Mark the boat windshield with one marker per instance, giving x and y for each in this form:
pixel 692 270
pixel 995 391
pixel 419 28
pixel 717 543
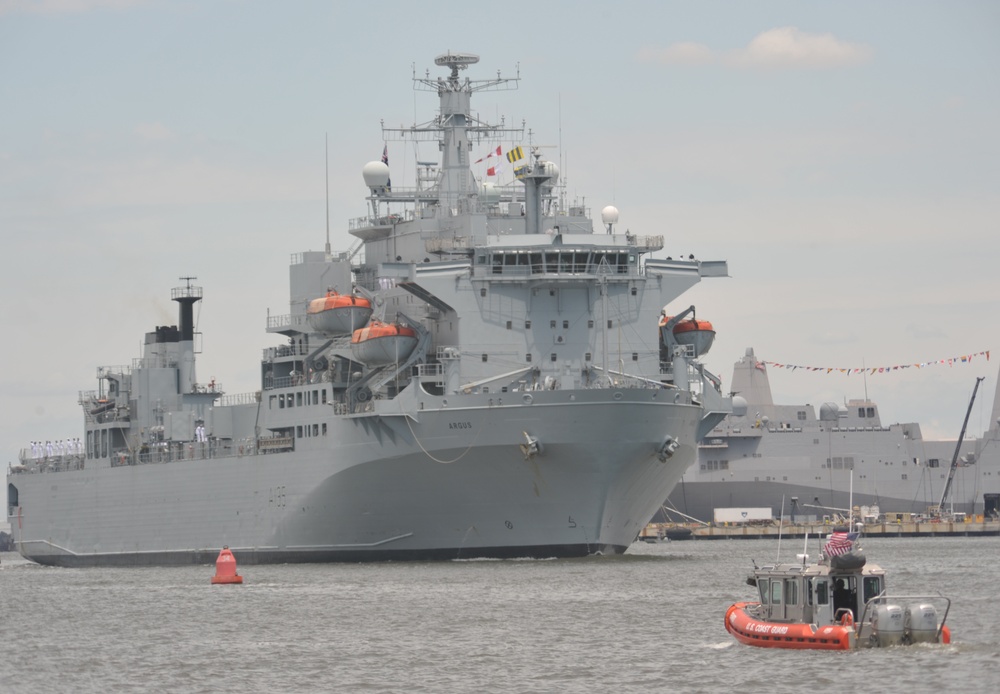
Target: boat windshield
pixel 872 587
pixel 822 592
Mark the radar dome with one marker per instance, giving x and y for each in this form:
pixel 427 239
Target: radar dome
pixel 609 215
pixel 550 169
pixel 489 194
pixel 828 412
pixel 739 406
pixel 376 174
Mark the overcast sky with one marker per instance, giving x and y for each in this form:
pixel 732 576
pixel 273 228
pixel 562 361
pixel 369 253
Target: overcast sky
pixel 842 156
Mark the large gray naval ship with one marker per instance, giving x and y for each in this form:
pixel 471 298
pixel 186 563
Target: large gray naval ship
pixel 483 375
pixel 785 455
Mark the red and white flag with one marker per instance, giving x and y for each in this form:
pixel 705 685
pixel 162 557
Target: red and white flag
pixel 490 155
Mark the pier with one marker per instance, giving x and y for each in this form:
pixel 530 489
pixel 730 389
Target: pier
pixel 976 527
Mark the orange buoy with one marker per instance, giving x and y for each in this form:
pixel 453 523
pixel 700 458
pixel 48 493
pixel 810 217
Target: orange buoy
pixel 225 568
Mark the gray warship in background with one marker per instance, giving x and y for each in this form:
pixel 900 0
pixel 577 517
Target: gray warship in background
pixel 482 375
pixel 785 455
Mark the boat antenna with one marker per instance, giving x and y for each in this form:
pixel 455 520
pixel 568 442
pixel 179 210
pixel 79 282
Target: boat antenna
pixel 781 518
pixel 850 498
pixel 326 143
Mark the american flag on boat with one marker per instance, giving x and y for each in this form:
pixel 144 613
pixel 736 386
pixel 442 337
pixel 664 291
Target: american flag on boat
pixel 839 543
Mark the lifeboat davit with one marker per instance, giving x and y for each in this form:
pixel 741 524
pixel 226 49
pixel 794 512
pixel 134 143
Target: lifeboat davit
pixel 381 343
pixel 698 333
pixel 338 314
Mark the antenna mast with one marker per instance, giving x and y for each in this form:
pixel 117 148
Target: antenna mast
pixel 326 152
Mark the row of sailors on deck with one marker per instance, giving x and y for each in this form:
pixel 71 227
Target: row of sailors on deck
pixel 51 449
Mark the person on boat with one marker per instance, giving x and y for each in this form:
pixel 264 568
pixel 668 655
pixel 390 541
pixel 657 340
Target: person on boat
pixel 844 597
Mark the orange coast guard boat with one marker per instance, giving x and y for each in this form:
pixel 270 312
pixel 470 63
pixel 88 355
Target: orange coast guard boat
pixel 338 314
pixel 838 603
pixel 381 343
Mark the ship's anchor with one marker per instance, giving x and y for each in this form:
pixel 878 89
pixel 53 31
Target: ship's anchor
pixel 667 448
pixel 532 446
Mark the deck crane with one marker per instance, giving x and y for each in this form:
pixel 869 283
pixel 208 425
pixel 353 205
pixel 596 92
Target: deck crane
pixel 958 447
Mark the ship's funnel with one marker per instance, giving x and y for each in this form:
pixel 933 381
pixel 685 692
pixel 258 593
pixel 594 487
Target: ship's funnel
pixel 187 297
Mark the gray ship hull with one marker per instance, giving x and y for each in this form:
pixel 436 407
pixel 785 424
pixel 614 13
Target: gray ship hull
pixel 430 493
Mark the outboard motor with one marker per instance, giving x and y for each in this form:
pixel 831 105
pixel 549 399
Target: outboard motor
pixel 887 625
pixel 920 623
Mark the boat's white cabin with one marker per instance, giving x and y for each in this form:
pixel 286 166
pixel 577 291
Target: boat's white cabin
pixel 815 593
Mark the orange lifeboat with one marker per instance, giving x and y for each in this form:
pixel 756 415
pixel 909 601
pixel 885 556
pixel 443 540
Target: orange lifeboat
pixel 381 343
pixel 698 333
pixel 338 314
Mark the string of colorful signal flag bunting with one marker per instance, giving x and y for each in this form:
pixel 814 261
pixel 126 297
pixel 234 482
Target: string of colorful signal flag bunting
pixel 951 361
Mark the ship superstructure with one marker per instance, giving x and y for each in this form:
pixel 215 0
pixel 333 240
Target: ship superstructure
pixel 821 463
pixel 482 375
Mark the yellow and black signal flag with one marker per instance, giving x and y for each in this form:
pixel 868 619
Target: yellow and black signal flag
pixel 515 154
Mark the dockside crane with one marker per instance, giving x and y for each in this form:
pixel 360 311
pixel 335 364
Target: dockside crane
pixel 958 447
